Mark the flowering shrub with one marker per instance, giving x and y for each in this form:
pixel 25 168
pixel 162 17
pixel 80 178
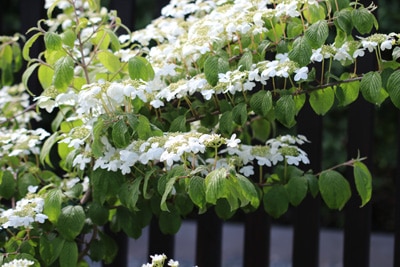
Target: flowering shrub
pixel 175 118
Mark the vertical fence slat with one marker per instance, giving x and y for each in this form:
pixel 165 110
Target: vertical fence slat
pixel 209 240
pixel 160 243
pixel 121 259
pixel 396 260
pixel 357 226
pixel 257 236
pixel 307 222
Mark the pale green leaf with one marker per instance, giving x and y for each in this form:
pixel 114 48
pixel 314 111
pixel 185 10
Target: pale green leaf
pixel 363 181
pixel 46 148
pixel 314 13
pixel 247 189
pixel 52 41
pixel 45 75
pixel 347 93
pixel 109 60
pixel 129 193
pixel 120 135
pixel 28 45
pixel 140 68
pixel 312 184
pixel 63 73
pixel 322 100
pixel 216 187
pixel 246 61
pixel 393 88
pixel 169 186
pixel 334 188
pixel 52 205
pixel 27 73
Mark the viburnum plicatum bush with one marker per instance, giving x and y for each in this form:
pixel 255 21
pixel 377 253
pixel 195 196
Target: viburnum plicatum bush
pixel 175 118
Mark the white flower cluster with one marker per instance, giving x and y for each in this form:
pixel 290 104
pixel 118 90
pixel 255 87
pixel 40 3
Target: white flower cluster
pixel 27 211
pixel 21 142
pixel 190 148
pixel 14 102
pixel 158 260
pixel 18 263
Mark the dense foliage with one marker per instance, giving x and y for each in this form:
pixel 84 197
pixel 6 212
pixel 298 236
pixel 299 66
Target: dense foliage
pixel 175 118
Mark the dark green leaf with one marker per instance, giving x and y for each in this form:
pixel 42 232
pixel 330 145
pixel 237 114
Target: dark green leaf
pixel 69 254
pixel 297 188
pixel 261 102
pixel 7 184
pixel 285 111
pixel 63 73
pixel 393 88
pixel 50 247
pixel 239 114
pixel 301 51
pixel 169 222
pixel 276 200
pixel 317 33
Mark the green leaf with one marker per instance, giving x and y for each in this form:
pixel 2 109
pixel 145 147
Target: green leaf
pixel 63 73
pixel 371 87
pixel 129 193
pixel 129 222
pixel 69 254
pixel 294 28
pixel 297 188
pixel 169 186
pixel 261 129
pixel 239 114
pixel 140 68
pixel 247 189
pixel 314 13
pixel 197 191
pixel 347 93
pixel 334 188
pixel 285 111
pixel 363 20
pixel 68 38
pixel 178 124
pixel 27 73
pixel 52 41
pixel 120 134
pixel 169 222
pixel 50 247
pixel 246 61
pixel 312 184
pixel 97 213
pixel 223 209
pixel 97 250
pixel 109 60
pixel 317 33
pixel 276 200
pixel 111 247
pixel 393 88
pixel 45 75
pixel 46 149
pixel 213 66
pixel 261 102
pixel 70 222
pixel 52 205
pixel 7 184
pixel 216 186
pixel 226 125
pixel 322 100
pixel 143 128
pixel 363 181
pixel 343 21
pixel 301 51
pixel 28 45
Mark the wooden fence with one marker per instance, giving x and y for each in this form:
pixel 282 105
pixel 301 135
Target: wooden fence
pixel 306 223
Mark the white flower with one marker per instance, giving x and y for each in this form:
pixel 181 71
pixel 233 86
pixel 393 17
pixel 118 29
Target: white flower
pixel 247 171
pixel 156 103
pixel 233 141
pixel 316 55
pixel 173 263
pixel 386 45
pixel 18 263
pixel 370 45
pixel 207 94
pixel 358 53
pixel 81 160
pixel 301 74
